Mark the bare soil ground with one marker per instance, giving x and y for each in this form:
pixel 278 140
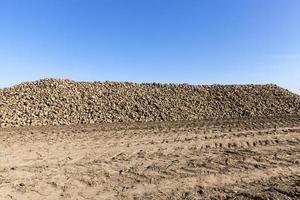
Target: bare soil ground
pixel 226 159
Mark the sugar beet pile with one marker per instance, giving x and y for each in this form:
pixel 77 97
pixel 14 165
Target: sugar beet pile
pixel 58 101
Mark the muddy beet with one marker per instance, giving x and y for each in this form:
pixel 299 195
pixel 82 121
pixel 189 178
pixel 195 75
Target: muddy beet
pixel 63 102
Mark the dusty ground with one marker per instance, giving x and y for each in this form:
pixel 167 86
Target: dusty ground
pixel 234 159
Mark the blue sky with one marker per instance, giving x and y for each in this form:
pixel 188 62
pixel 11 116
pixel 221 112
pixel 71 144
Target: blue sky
pixel 182 41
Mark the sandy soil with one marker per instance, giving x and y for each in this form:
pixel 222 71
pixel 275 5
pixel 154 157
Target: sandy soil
pixel 233 159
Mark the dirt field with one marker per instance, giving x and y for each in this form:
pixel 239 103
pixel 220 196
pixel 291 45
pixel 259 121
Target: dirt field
pixel 234 159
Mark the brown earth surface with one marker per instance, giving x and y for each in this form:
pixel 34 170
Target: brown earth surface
pixel 251 158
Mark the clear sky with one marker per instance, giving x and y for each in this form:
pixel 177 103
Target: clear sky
pixel 182 41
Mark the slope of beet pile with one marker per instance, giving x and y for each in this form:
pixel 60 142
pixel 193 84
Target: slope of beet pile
pixel 58 101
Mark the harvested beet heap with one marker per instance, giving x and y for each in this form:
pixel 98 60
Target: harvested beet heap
pixel 58 101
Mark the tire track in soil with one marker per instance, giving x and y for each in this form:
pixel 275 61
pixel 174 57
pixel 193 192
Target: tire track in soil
pixel 226 159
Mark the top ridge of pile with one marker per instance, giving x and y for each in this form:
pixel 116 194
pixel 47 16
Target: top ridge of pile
pixel 59 101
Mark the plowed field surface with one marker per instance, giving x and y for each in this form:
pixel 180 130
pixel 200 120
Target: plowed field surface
pixel 226 159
